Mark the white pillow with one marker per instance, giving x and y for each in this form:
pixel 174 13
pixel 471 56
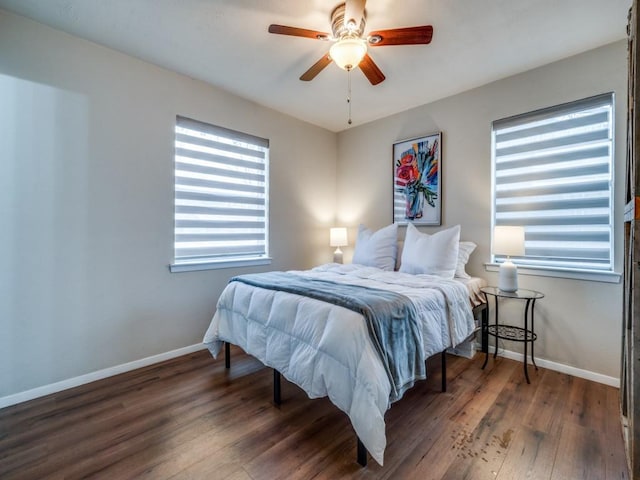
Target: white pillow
pixel 464 252
pixel 377 249
pixel 465 249
pixel 435 254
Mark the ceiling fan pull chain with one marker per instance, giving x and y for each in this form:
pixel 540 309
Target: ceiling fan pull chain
pixel 349 94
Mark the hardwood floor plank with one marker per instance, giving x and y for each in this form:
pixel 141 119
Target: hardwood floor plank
pixel 190 418
pixel 615 460
pixel 482 453
pixel 308 445
pixel 548 404
pixel 586 404
pixel 214 435
pixel 531 455
pixel 432 457
pixel 472 404
pixel 208 470
pixel 581 454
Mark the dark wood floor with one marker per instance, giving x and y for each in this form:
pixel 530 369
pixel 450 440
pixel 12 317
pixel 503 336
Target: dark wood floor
pixel 188 418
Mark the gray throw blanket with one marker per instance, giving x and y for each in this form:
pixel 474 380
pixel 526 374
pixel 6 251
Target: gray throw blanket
pixel 391 320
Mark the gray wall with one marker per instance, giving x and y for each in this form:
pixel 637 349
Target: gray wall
pixel 86 201
pixel 579 322
pixel 86 204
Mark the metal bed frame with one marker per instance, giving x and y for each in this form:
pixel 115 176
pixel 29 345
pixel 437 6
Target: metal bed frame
pixel 480 313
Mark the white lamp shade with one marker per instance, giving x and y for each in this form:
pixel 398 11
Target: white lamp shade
pixel 347 53
pixel 508 240
pixel 338 237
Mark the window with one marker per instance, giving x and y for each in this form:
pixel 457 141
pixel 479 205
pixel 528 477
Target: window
pixel 553 174
pixel 221 197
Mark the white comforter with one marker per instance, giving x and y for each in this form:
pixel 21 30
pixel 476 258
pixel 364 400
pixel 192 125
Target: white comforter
pixel 326 349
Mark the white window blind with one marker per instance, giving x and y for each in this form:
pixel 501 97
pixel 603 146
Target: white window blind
pixel 221 194
pixel 553 174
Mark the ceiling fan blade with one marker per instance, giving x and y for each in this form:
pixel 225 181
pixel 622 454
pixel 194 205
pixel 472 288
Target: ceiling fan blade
pixel 401 36
pixel 371 70
pixel 353 12
pixel 298 32
pixel 316 68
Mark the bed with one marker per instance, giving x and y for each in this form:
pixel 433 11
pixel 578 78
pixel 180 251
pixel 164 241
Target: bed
pixel 327 348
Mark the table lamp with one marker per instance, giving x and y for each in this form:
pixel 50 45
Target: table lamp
pixel 508 240
pixel 338 238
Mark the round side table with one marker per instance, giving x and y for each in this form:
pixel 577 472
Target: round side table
pixel 525 334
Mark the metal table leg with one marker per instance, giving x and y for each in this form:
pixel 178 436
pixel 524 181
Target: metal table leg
pixel 533 360
pixel 495 351
pixel 485 332
pixel 526 340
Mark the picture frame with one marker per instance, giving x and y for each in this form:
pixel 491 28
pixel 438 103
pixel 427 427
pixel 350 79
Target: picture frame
pixel 417 180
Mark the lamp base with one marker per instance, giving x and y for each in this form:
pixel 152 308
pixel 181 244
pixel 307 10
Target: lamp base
pixel 337 256
pixel 508 277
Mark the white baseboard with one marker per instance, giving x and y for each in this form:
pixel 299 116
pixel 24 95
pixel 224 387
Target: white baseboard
pixel 559 367
pixel 143 362
pixel 93 376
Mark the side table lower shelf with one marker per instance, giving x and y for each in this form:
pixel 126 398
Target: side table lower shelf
pixel 511 332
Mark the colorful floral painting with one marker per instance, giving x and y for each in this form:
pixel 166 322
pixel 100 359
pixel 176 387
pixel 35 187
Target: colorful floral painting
pixel 416 180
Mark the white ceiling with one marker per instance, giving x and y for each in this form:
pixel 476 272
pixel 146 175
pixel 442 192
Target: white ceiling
pixel 226 43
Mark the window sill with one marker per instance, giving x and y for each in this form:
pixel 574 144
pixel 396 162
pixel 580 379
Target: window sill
pixel 215 265
pixel 591 275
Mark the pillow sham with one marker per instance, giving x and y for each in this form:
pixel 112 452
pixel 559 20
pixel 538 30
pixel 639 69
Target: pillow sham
pixel 435 254
pixel 465 249
pixel 377 249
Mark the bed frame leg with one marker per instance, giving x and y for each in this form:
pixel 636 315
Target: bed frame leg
pixel 362 453
pixel 443 356
pixel 276 387
pixel 227 355
pixel 484 342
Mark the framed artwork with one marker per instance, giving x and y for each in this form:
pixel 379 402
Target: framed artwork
pixel 417 180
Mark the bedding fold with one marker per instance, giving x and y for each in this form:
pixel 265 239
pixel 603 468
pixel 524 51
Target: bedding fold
pixel 392 320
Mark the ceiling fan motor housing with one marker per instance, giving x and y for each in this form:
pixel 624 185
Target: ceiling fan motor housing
pixel 340 29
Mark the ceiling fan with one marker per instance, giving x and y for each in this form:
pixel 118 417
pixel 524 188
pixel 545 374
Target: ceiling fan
pixel 350 48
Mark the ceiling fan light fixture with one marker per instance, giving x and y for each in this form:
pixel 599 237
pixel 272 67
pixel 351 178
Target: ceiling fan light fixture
pixel 348 52
pixel 349 49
